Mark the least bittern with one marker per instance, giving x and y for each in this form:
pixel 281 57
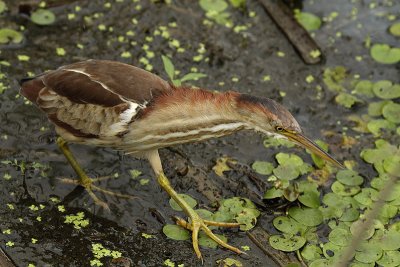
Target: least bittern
pixel 111 104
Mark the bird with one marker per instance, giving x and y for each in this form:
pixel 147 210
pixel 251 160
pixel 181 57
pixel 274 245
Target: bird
pixel 112 104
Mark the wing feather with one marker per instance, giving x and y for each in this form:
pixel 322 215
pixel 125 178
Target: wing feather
pixel 95 97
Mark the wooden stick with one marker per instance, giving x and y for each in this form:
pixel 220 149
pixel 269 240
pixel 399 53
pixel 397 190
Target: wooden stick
pixel 297 35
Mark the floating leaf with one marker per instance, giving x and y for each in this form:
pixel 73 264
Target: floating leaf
pixel 176 232
pixel 334 78
pixel 276 142
pixel 43 17
pixel 288 225
pixel 309 21
pixel 207 242
pixel 273 193
pixel 344 190
pixel 331 250
pixel 213 5
pixel 386 89
pixel 228 262
pixel 286 172
pixel 321 263
pixel 340 237
pixel 310 198
pixel 376 126
pixel 375 108
pixel 350 215
pixel 385 54
pixel 222 165
pixel 205 214
pixel 287 244
pixel 318 161
pixel 311 252
pixel 188 199
pixel 390 240
pixel 391 112
pixel 3 7
pixel 306 216
pixel 392 165
pixel 369 253
pixel 367 234
pixel 263 167
pixel 390 258
pixel 364 87
pixel 395 29
pixel 346 100
pixel 10 36
pixel 349 177
pixel 367 196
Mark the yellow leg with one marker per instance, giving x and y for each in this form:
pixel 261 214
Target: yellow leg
pixel 196 222
pixel 83 179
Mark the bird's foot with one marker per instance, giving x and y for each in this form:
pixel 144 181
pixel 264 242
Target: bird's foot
pixel 197 223
pixel 87 183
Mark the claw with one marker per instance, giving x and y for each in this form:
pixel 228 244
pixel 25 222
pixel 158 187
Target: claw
pixel 198 224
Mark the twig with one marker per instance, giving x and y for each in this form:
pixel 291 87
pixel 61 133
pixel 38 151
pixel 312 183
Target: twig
pixel 369 219
pixel 5 260
pixel 297 35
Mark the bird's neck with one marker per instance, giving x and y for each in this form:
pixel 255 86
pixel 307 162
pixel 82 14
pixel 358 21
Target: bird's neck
pixel 185 115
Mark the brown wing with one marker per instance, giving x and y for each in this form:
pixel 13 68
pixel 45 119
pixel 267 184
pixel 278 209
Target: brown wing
pixel 89 97
pixel 99 82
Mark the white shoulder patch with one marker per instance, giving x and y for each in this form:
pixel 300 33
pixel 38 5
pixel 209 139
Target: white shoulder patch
pixel 124 119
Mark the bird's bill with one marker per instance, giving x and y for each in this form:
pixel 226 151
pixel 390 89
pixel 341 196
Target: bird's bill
pixel 303 141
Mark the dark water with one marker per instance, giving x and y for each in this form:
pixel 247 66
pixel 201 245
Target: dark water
pixel 26 135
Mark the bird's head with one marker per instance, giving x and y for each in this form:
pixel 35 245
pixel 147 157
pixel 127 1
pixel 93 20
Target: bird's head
pixel 269 117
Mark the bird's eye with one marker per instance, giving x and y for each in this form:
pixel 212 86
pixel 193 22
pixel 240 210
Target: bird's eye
pixel 279 128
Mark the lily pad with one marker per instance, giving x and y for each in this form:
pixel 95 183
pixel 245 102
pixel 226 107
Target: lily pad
pixel 263 167
pixel 176 232
pixel 385 54
pixel 390 258
pixel 392 165
pixel 386 89
pixel 207 242
pixel 391 112
pixel 311 252
pixel 369 253
pixel 273 193
pixel 344 190
pixel 286 172
pixel 43 17
pixel 331 250
pixel 3 6
pixel 350 215
pixel 189 200
pixel 310 198
pixel 346 100
pixel 213 5
pixel 375 108
pixel 391 240
pixel 288 225
pixel 287 243
pixel 395 29
pixel 364 87
pixel 376 126
pixel 10 36
pixel 321 263
pixel 306 216
pixel 340 237
pixel 365 234
pixel 349 177
pixel 367 196
pixel 309 21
